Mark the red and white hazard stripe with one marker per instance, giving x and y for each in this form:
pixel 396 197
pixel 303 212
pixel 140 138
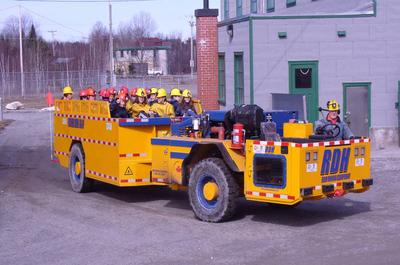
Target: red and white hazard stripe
pixel 305 145
pixel 93 141
pixel 159 180
pixel 271 143
pixel 93 118
pixel 134 180
pixel 88 171
pixel 336 184
pixel 134 120
pixel 61 153
pixel 270 195
pixel 133 155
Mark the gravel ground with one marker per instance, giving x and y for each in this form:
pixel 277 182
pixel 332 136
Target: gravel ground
pixel 43 222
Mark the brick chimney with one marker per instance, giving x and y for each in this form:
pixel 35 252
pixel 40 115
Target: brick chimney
pixel 207 56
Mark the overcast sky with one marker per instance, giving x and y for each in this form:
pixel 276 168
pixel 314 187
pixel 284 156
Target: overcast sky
pixel 73 21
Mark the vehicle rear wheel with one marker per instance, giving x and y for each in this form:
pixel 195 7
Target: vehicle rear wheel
pixel 77 176
pixel 212 191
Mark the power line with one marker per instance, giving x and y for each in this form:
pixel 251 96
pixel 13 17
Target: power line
pixel 55 22
pixel 4 9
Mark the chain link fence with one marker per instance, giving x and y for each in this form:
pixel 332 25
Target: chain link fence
pixel 40 83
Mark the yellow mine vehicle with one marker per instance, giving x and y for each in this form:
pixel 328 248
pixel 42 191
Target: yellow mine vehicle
pixel 215 162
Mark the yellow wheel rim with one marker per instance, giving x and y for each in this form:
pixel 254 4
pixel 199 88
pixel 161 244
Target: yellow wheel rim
pixel 210 191
pixel 78 168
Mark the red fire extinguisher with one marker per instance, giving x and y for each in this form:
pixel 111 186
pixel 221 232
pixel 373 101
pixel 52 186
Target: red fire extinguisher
pixel 238 134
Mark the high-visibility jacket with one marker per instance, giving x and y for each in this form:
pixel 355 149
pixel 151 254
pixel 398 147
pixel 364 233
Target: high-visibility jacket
pixel 129 105
pixel 163 110
pixel 341 130
pixel 136 108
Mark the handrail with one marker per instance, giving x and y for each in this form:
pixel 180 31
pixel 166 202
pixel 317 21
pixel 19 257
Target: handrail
pixel 83 107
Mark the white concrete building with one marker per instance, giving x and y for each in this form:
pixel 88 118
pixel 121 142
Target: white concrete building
pixel 347 50
pixel 150 56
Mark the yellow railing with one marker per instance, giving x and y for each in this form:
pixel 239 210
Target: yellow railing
pixel 83 107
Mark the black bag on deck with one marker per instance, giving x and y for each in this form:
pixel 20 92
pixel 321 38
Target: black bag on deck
pixel 250 116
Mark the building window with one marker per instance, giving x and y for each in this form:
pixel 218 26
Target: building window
pixel 239 78
pixel 221 79
pixel 226 9
pixel 253 7
pixel 290 3
pixel 303 77
pixel 270 6
pixel 239 5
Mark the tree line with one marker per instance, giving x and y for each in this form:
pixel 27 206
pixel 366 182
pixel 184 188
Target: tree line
pixel 88 54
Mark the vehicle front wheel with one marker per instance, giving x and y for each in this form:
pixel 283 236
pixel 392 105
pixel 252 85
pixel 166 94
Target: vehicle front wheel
pixel 212 191
pixel 77 176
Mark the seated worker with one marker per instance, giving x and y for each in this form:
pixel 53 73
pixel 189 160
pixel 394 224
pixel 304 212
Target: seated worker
pixel 187 105
pixel 91 93
pixel 83 94
pixel 332 124
pixel 162 108
pixel 67 93
pixel 140 108
pixel 113 94
pixel 176 99
pixel 120 110
pixel 112 100
pixel 132 100
pixel 124 89
pixel 152 96
pixel 106 95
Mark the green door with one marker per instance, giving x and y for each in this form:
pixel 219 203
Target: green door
pixel 239 78
pixel 303 80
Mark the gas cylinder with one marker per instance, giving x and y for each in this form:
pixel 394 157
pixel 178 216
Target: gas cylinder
pixel 238 134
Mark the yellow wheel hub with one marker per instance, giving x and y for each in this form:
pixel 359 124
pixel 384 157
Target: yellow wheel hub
pixel 78 168
pixel 210 191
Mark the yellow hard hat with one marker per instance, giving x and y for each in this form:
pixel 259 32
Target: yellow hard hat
pixel 141 92
pixel 176 92
pixel 153 90
pixel 186 93
pixel 161 93
pixel 333 105
pixel 67 90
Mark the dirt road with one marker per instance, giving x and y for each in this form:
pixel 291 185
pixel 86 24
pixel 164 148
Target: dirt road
pixel 43 222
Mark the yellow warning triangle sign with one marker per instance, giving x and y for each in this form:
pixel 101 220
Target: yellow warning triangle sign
pixel 128 171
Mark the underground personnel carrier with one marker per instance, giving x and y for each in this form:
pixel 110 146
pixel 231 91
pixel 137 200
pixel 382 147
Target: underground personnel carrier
pixel 217 156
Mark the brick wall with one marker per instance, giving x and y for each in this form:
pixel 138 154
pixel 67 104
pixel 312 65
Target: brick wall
pixel 207 61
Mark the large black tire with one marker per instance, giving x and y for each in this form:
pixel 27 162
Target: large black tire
pixel 79 182
pixel 224 206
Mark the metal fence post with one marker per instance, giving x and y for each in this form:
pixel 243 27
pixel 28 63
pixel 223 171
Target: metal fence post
pixel 1 109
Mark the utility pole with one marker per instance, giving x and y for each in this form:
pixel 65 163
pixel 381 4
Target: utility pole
pixel 21 61
pixel 112 82
pixel 52 35
pixel 191 24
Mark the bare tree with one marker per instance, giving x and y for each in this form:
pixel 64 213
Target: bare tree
pixel 98 46
pixel 135 33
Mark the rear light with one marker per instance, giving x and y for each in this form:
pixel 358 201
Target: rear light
pixel 355 151
pixel 315 156
pixel 348 185
pixel 362 151
pixel 308 156
pixel 367 182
